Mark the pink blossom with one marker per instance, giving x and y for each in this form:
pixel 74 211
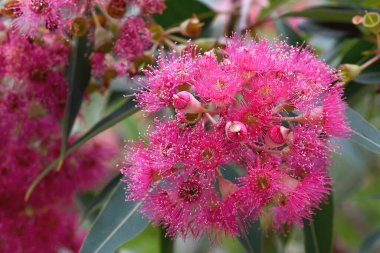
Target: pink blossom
pixel 265 107
pixel 34 14
pixel 150 7
pixel 134 39
pixel 162 82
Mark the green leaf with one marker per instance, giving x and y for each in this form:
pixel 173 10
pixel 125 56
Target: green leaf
pixel 318 233
pixel 334 56
pixel 78 77
pixel 273 4
pixel 123 112
pixel 179 10
pixel 370 242
pixel 97 202
pixel 371 75
pixel 330 29
pixel 355 55
pixel 251 239
pixel 167 243
pixel 327 14
pixel 118 222
pixel 285 30
pixel 363 132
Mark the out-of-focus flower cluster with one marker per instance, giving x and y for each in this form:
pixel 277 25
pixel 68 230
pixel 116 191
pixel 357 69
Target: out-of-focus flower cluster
pixel 119 40
pixel 35 42
pixel 266 108
pixel 32 101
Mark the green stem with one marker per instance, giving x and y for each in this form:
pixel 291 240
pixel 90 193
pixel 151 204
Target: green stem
pixel 167 244
pixel 369 62
pixel 314 237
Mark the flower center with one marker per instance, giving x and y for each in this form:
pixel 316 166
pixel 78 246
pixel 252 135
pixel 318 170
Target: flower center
pixel 38 6
pixel 262 182
pixel 190 191
pixel 207 154
pixel 38 74
pixel 249 118
pixel 220 84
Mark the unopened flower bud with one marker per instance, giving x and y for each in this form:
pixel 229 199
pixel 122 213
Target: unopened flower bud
pixel 276 136
pixel 158 33
pixel 116 8
pixel 185 102
pixel 236 131
pixel 11 9
pixel 371 21
pixel 348 72
pixel 191 27
pixel 79 27
pixel 103 40
pixel 357 20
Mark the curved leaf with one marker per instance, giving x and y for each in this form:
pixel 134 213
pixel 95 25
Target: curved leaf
pixel 252 237
pixel 180 10
pixel 318 233
pixel 285 30
pixel 370 242
pixel 370 75
pixel 369 78
pixel 167 243
pixel 335 30
pixel 78 77
pixel 118 222
pixel 102 196
pixel 79 74
pixel 363 132
pixel 327 14
pixel 123 112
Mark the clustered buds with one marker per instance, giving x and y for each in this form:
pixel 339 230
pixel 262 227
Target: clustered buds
pixel 371 21
pixel 265 108
pixel 36 41
pixel 32 103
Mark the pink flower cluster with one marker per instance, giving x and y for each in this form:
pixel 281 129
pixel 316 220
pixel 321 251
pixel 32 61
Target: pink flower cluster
pixel 32 101
pixel 32 16
pixel 263 110
pixel 118 41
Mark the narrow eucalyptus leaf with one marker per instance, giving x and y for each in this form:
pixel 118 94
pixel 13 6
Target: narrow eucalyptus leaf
pixel 318 232
pixel 118 222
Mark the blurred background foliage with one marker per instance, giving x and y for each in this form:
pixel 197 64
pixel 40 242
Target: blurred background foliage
pixel 326 26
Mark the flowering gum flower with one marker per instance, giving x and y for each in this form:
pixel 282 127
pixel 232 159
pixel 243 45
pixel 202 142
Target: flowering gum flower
pixel 330 114
pixel 134 39
pixel 172 74
pixel 150 7
pixel 271 112
pixel 32 101
pixel 33 14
